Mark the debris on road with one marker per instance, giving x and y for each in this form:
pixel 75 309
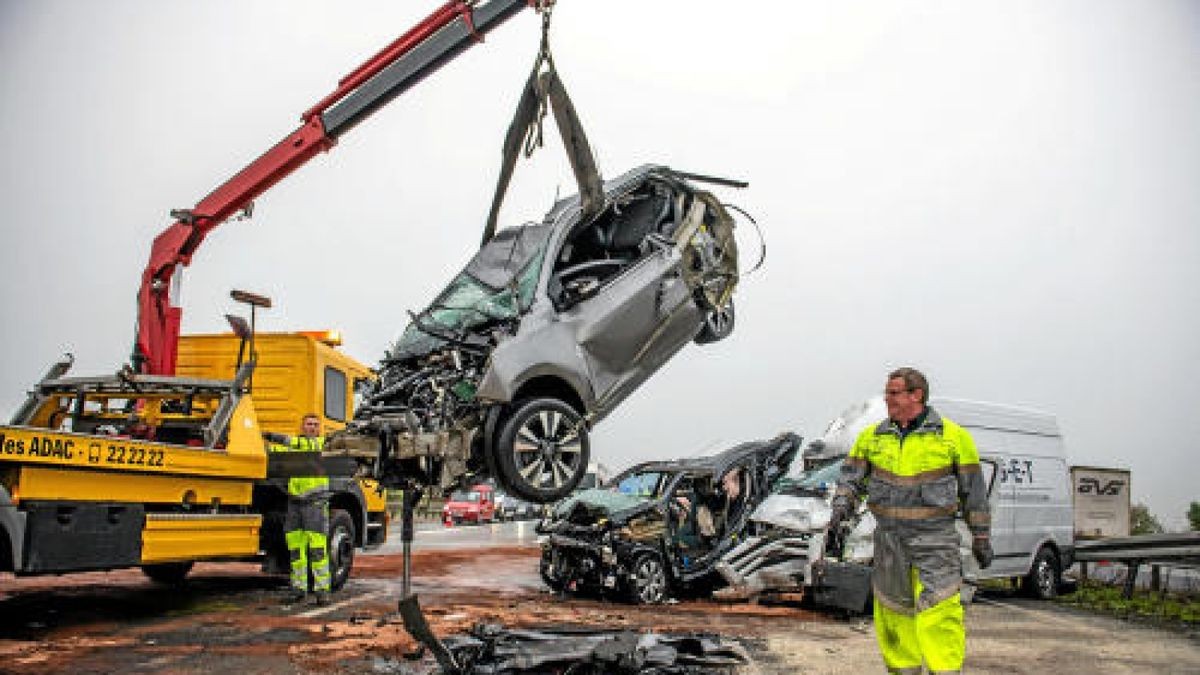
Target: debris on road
pixel 491 648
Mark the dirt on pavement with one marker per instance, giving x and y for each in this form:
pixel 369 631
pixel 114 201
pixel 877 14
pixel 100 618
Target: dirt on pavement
pixel 227 618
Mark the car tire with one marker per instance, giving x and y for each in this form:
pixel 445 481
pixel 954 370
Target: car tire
pixel 718 325
pixel 170 574
pixel 341 548
pixel 537 431
pixel 648 580
pixel 1044 576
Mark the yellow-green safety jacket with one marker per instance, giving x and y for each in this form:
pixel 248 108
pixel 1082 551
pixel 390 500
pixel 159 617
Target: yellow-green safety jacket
pixel 927 474
pixel 299 486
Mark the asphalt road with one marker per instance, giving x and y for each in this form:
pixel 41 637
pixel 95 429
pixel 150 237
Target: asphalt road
pixel 431 535
pixel 227 618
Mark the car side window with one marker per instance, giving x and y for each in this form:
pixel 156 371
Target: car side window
pixel 626 232
pixel 335 394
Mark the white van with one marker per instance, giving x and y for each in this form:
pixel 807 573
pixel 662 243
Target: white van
pixel 1024 465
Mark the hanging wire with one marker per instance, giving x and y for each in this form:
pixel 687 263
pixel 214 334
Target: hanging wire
pixel 762 241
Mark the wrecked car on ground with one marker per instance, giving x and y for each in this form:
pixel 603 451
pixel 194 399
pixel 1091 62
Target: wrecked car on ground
pixel 547 329
pixel 658 529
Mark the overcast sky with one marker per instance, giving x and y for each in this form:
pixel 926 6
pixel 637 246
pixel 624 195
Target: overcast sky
pixel 1003 194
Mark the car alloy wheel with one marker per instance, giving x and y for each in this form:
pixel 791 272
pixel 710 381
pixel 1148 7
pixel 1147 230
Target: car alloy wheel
pixel 543 450
pixel 648 580
pixel 718 324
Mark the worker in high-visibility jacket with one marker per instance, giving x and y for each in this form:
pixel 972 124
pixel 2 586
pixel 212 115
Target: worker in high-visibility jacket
pixel 306 524
pixel 918 470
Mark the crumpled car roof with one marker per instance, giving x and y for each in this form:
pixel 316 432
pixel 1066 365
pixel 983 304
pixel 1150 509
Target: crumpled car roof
pixel 506 254
pixel 711 463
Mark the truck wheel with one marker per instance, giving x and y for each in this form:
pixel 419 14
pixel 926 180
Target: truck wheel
pixel 341 547
pixel 172 573
pixel 1043 578
pixel 648 580
pixel 542 450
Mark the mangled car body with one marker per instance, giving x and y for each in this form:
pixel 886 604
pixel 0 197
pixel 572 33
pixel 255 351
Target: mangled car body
pixel 658 528
pixel 547 329
pixel 789 547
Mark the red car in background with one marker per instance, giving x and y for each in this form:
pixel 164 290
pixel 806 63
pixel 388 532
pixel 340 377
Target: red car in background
pixel 477 505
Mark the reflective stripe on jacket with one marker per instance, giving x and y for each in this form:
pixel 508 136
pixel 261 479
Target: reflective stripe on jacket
pixel 299 486
pixel 929 473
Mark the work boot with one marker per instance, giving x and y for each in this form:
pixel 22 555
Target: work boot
pixel 293 597
pixel 323 599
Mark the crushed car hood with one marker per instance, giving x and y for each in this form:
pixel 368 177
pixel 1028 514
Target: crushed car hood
pixel 498 284
pixel 802 514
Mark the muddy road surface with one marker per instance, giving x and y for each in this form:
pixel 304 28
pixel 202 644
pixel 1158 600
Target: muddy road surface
pixel 228 618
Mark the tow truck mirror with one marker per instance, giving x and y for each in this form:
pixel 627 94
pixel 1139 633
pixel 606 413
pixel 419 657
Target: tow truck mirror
pixel 245 335
pixel 239 326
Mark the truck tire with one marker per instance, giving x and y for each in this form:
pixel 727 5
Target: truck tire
pixel 1044 576
pixel 341 547
pixel 171 574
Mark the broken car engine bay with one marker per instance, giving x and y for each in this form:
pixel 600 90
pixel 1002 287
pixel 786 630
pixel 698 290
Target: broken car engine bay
pixel 543 333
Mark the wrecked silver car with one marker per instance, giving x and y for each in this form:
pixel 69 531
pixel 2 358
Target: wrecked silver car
pixel 547 329
pixel 658 529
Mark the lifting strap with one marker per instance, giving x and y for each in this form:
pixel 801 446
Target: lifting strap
pixel 545 90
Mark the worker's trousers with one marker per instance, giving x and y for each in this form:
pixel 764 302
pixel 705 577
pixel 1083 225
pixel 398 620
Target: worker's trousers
pixel 305 528
pixel 916 577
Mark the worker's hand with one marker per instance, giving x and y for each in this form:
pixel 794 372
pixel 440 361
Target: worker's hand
pixel 272 437
pixel 981 548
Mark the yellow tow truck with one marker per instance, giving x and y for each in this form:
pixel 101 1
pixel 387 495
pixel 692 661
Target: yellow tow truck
pixel 161 472
pixel 164 464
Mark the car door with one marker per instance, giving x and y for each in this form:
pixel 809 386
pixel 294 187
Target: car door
pixel 631 325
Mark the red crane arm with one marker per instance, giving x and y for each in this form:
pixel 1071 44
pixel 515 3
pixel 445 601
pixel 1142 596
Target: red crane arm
pixel 437 39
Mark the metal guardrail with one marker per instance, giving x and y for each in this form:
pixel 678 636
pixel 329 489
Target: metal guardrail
pixel 1175 549
pixel 1181 547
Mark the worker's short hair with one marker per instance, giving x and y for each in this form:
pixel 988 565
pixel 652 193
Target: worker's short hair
pixel 311 416
pixel 913 379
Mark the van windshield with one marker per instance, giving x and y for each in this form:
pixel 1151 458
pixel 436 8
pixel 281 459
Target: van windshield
pixel 826 476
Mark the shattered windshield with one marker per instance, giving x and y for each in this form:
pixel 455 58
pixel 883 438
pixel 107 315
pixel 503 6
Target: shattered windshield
pixel 641 484
pixel 605 500
pixel 498 284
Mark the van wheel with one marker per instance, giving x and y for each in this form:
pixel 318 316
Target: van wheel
pixel 1044 577
pixel 542 450
pixel 341 547
pixel 171 574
